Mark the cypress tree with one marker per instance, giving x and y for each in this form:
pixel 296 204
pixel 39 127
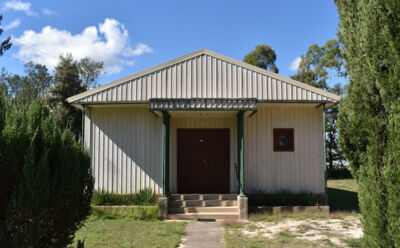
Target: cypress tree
pixel 47 178
pixel 369 116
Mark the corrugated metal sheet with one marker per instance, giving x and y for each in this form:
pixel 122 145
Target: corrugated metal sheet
pixel 301 170
pixel 125 147
pixel 203 74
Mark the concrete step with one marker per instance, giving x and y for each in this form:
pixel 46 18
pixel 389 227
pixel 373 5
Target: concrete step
pixel 184 210
pixel 203 197
pixel 203 216
pixel 201 203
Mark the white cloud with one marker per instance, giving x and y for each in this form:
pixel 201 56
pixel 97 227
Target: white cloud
pixel 19 6
pixel 13 24
pixel 108 43
pixel 46 11
pixel 295 64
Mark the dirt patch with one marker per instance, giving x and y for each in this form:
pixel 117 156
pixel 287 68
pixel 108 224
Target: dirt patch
pixel 334 230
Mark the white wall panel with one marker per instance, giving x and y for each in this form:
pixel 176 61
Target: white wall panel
pixel 301 170
pixel 125 146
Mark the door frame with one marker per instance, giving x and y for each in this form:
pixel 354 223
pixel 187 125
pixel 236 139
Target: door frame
pixel 228 170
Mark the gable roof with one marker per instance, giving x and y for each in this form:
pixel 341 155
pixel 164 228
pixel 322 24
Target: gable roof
pixel 204 74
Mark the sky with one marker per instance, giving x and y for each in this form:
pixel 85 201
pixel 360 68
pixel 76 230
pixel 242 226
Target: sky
pixel 130 36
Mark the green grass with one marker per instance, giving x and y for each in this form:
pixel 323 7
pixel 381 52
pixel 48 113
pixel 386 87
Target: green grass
pixel 353 242
pixel 126 233
pixel 342 195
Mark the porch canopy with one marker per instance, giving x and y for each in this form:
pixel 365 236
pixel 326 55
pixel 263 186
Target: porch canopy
pixel 203 80
pixel 157 104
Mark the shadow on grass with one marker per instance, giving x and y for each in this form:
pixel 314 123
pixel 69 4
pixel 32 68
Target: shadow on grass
pixel 342 200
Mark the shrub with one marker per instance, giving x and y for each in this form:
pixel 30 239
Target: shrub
pixel 145 197
pixel 285 198
pixel 338 172
pixel 135 213
pixel 45 179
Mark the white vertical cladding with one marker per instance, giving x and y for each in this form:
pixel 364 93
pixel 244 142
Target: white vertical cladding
pixel 205 76
pixel 203 122
pixel 125 149
pixel 270 171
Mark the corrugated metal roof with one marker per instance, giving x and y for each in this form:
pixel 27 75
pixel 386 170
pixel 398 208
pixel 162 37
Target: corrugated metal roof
pixel 204 74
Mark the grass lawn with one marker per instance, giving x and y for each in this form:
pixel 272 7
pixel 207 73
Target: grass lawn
pixel 342 195
pixel 127 233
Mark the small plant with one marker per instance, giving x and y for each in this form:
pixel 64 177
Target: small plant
pixel 145 197
pixel 134 213
pixel 284 198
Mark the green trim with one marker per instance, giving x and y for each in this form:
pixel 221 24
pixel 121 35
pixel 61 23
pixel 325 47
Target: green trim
pixel 253 113
pixel 154 113
pixel 324 155
pixel 165 151
pixel 111 102
pixel 240 150
pixel 295 101
pixel 258 101
pixel 83 124
pixel 204 109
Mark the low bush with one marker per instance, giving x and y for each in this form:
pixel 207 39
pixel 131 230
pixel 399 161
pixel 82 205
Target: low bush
pixel 132 212
pixel 145 197
pixel 338 172
pixel 285 198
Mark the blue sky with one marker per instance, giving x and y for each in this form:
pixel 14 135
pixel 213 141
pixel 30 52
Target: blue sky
pixel 130 36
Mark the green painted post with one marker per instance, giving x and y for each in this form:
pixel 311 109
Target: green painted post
pixel 83 125
pixel 165 152
pixel 324 155
pixel 240 144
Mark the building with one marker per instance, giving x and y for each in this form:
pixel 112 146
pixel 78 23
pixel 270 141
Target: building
pixel 206 123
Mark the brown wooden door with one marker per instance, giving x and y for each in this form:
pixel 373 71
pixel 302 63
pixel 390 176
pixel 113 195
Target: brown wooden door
pixel 203 161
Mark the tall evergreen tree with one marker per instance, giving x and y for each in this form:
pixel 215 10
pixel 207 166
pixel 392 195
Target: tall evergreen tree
pixel 46 181
pixel 262 56
pixel 369 116
pixel 71 77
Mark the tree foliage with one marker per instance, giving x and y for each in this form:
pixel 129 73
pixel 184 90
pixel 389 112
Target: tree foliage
pixel 71 77
pixel 29 87
pixel 369 116
pixel 89 71
pixel 262 56
pixel 46 182
pixel 5 44
pixel 317 64
pixel 67 82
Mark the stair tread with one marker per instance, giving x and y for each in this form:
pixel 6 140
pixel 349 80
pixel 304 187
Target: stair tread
pixel 209 213
pixel 199 200
pixel 205 207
